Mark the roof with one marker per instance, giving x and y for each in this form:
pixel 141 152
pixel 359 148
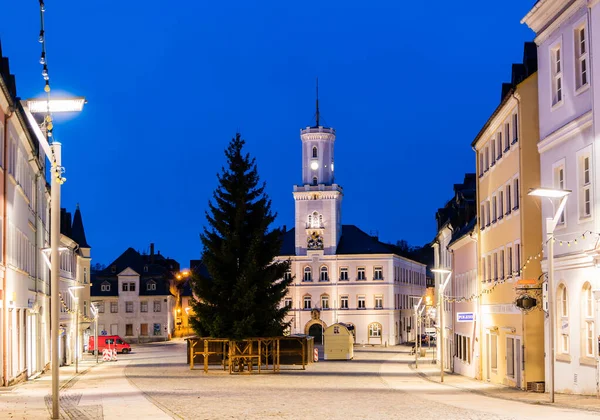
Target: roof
pixel 77 231
pixel 465 230
pixel 353 241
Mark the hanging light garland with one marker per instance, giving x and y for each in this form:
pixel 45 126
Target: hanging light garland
pixel 72 311
pixel 588 234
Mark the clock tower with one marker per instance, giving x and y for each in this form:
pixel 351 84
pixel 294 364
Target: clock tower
pixel 318 199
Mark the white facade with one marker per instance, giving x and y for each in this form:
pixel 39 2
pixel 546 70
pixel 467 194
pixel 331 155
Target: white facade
pixel 443 259
pixel 133 311
pixel 341 273
pixel 567 69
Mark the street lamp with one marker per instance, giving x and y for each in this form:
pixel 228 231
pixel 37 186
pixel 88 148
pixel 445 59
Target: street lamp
pixel 416 307
pixel 551 223
pixel 76 299
pixel 95 311
pixel 53 152
pixel 441 311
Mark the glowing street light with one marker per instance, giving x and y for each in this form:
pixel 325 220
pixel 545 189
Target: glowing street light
pixel 70 104
pixel 551 223
pixel 441 314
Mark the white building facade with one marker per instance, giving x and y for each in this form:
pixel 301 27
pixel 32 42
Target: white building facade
pixel 568 129
pixel 341 273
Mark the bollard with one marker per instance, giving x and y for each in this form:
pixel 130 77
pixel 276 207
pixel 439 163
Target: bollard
pixel 316 355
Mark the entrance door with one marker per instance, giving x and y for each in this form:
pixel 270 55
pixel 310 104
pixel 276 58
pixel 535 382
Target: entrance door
pixel 518 359
pixel 316 330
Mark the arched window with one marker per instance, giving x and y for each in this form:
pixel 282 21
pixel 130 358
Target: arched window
pixel 562 302
pixel 307 274
pixel 324 274
pixel 315 220
pixel 587 309
pixel 315 181
pixel 375 330
pixel 315 154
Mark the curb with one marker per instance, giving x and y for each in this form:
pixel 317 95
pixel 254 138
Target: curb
pixel 500 397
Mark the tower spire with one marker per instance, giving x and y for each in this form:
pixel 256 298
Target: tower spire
pixel 317 103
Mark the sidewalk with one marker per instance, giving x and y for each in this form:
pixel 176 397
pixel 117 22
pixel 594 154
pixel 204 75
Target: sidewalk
pixel 431 372
pixel 98 391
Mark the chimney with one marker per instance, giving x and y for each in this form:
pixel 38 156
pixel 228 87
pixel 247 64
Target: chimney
pixel 152 249
pixel 284 228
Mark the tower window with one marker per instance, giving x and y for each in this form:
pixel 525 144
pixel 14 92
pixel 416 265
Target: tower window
pixel 315 181
pixel 315 154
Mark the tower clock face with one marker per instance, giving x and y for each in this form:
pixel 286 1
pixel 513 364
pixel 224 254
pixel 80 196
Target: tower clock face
pixel 315 241
pixel 314 165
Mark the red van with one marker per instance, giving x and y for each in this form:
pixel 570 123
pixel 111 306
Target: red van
pixel 109 342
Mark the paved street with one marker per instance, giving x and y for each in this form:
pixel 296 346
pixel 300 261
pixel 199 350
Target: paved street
pixel 155 382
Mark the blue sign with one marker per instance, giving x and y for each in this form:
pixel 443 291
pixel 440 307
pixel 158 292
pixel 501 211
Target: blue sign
pixel 465 317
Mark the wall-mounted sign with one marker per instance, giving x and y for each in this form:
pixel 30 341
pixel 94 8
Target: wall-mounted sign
pixel 465 317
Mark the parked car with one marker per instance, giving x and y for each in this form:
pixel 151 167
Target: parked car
pixel 109 342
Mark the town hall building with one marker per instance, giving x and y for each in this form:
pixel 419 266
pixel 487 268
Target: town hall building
pixel 342 274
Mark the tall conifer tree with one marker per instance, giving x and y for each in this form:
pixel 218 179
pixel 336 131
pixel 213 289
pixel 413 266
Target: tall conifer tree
pixel 242 293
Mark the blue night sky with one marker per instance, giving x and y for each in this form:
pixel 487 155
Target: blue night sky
pixel 406 85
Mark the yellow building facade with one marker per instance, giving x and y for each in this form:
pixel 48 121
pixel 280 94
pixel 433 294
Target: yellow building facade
pixel 510 240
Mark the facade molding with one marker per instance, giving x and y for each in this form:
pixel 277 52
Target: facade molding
pixel 566 132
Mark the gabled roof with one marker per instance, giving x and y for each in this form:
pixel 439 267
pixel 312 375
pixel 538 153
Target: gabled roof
pixel 96 289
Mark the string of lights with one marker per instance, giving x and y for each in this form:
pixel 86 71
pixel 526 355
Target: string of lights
pixel 588 234
pixel 72 311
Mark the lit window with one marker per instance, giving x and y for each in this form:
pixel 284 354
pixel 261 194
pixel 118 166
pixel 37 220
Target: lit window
pixel 556 75
pixel 105 287
pixel 375 329
pixel 151 285
pixel 143 306
pixel 114 307
pixel 581 57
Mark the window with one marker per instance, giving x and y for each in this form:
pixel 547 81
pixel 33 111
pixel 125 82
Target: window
pixel 494 209
pixel 556 75
pixel 314 152
pixel 343 273
pixel 500 205
pixel 585 188
pixel 307 302
pixel 481 168
pixel 378 301
pixel 588 320
pixel 315 181
pixel 493 150
pixel 489 267
pixel 516 192
pixel 128 329
pixel 100 306
pixel 287 275
pixel 488 217
pixel 132 287
pixel 487 158
pixel 515 128
pixel 499 142
pixel 483 272
pixel 508 200
pixel 344 302
pixel 125 287
pixel 495 266
pixel 85 274
pixel 143 329
pixel 360 274
pixel 509 264
pixel 361 302
pixel 114 307
pixel 105 287
pixel 325 301
pixel 288 302
pixel 501 264
pixel 563 319
pixel 517 259
pixel 581 57
pixel 151 285
pixel 157 306
pixel 144 306
pixel 378 273
pixel 506 137
pixel 494 351
pixel 559 183
pixel 307 274
pixel 324 274
pixel 375 329
pixel 482 217
pixel 129 307
pixel 145 269
pixel 156 329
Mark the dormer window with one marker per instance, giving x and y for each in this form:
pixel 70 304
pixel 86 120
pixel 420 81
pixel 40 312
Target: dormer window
pixel 151 285
pixel 145 269
pixel 315 154
pixel 113 269
pixel 105 287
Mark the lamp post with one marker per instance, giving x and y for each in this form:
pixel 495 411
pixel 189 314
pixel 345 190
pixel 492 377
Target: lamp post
pixel 441 311
pixel 76 299
pixel 53 152
pixel 417 335
pixel 551 223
